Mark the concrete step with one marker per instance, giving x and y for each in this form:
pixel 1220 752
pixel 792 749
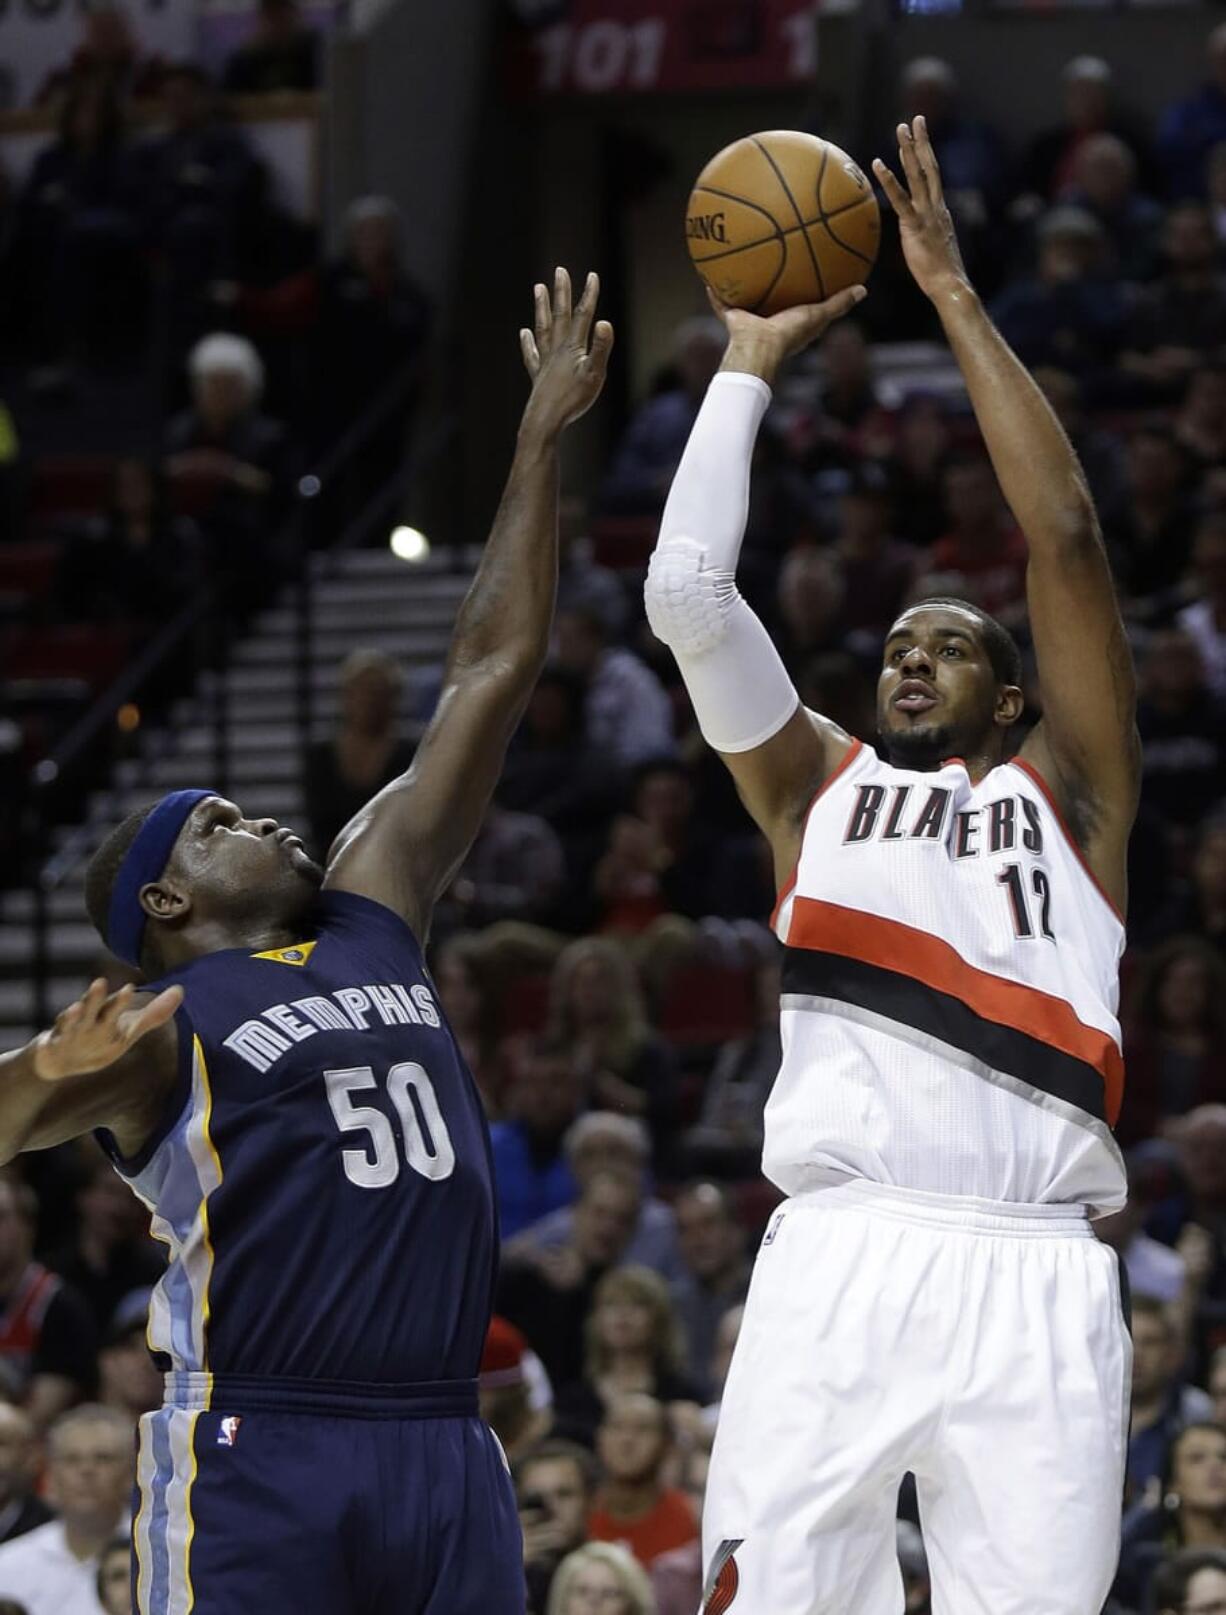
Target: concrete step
pixel 329 648
pixel 373 606
pixel 76 944
pixel 17 997
pixel 67 902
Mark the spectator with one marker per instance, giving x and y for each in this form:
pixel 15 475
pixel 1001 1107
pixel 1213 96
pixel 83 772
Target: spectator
pixel 1182 729
pixel 127 1376
pixel 1102 458
pixel 1188 1510
pixel 1105 184
pixel 282 54
pixel 1183 314
pixel 469 1005
pixel 1050 161
pixel 1162 1405
pixel 112 1253
pixel 1217 1386
pixel 599 1141
pixel 1200 425
pixel 47 1334
pixel 1189 129
pixel 531 1173
pixel 628 714
pixel 21 1509
pixel 108 58
pixel 634 1504
pixel 374 323
pixel 727 1138
pixel 514 870
pixel 583 584
pixel 554 1487
pixel 505 1393
pixel 677 1576
pixel 135 563
pixel 650 450
pixel 877 569
pixel 600 1576
pixel 716 1274
pixel 812 590
pixel 1069 314
pixel 115 1577
pixel 850 419
pixel 983 549
pixel 1192 1582
pixel 231 459
pixel 922 446
pixel 1201 906
pixel 80 272
pixel 548 1294
pixel 1205 618
pixel 366 751
pixel 596 1010
pixel 1147 533
pixel 969 152
pixel 1176 1036
pixel 633 1343
pixel 53 1570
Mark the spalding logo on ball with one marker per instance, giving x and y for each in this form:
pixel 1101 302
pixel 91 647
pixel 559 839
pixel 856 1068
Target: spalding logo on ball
pixel 781 218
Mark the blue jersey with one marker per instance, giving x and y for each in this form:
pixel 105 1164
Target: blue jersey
pixel 323 1177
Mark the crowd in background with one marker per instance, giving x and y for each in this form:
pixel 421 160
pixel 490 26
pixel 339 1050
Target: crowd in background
pixel 605 956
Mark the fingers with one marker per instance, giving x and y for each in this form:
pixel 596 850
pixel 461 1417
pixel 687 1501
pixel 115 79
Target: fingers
pixel 532 358
pixel 718 307
pixel 542 314
pixel 916 183
pixel 155 1014
pixel 561 294
pixel 834 308
pixel 581 324
pixel 927 158
pixel 602 347
pixel 895 195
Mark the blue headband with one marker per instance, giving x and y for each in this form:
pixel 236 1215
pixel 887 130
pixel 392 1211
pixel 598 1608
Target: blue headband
pixel 143 862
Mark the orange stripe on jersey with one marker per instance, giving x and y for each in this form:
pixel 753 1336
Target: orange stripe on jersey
pixel 789 885
pixel 890 945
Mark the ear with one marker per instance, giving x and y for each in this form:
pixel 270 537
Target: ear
pixel 1009 704
pixel 164 900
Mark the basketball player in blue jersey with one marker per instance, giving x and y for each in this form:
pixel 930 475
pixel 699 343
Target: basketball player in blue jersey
pixel 289 1102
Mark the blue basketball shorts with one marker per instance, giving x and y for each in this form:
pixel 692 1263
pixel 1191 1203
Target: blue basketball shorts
pixel 260 1496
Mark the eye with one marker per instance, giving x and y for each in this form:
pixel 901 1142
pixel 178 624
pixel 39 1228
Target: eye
pixel 897 654
pixel 951 650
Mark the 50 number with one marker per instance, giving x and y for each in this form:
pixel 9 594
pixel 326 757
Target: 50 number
pixel 427 1144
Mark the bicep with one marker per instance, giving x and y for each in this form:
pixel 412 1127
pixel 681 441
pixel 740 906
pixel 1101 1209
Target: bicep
pixel 777 780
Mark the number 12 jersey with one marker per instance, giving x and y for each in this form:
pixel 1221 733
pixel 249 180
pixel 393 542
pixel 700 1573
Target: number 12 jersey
pixel 322 1177
pixel 950 986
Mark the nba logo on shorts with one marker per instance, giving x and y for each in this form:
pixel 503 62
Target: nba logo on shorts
pixel 773 1229
pixel 227 1435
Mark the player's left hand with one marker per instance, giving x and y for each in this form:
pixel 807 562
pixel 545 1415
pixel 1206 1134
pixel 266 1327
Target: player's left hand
pixel 565 354
pixel 929 242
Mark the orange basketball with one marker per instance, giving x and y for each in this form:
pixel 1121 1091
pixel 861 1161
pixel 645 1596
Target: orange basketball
pixel 781 218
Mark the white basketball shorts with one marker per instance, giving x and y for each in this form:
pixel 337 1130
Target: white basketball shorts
pixel 981 1345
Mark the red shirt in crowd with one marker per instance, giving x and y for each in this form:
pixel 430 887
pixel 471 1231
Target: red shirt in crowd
pixel 670 1524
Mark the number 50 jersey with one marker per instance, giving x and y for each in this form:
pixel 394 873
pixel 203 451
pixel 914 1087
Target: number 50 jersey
pixel 322 1177
pixel 950 982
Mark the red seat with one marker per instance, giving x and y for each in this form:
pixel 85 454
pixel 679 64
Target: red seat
pixel 624 542
pixel 707 1004
pixel 94 655
pixel 70 485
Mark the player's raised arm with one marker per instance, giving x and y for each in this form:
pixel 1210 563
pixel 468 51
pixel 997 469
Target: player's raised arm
pixel 747 707
pixel 404 847
pixel 87 1071
pixel 1086 747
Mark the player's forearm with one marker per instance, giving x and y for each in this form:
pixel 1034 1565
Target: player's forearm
pixel 709 498
pixel 508 612
pixel 1039 474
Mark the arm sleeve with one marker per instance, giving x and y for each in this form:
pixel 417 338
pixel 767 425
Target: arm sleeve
pixel 739 687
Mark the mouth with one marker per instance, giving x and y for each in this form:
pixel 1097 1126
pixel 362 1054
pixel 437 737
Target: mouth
pixel 913 695
pixel 287 838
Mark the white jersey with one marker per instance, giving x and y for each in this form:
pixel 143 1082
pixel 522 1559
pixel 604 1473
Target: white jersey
pixel 950 986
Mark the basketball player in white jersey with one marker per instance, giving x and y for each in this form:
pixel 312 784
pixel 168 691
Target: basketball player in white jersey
pixel 930 1297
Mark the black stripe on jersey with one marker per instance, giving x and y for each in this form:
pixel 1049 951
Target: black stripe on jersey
pixel 901 998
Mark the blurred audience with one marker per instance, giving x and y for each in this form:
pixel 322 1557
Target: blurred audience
pixel 366 750
pixel 281 54
pixel 634 1504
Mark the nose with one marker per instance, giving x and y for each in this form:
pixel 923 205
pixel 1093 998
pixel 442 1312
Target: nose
pixel 916 662
pixel 265 827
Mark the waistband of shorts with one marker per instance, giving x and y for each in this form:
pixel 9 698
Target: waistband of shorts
pixel 251 1393
pixel 951 1211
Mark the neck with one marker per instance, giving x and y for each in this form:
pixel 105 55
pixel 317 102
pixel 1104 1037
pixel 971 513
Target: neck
pixel 631 1363
pixel 87 1538
pixel 628 1499
pixel 217 936
pixel 1203 1528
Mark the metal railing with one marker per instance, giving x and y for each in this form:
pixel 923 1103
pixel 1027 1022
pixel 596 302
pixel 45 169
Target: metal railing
pixel 329 514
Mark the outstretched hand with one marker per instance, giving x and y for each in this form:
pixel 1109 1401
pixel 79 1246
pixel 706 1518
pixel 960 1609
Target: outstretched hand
pixel 96 1030
pixel 929 241
pixel 566 356
pixel 760 343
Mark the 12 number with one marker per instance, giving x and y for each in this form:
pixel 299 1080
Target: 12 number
pixel 1010 878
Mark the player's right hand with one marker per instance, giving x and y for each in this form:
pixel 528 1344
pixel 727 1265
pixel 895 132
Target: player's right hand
pixel 96 1030
pixel 758 344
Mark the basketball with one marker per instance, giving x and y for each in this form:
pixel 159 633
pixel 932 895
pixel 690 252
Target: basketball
pixel 781 218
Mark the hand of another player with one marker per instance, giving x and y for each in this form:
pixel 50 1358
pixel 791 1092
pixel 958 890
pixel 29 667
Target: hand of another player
pixel 95 1031
pixel 758 344
pixel 565 354
pixel 929 242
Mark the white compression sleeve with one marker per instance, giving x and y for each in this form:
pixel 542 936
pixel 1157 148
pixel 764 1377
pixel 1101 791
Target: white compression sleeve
pixel 739 687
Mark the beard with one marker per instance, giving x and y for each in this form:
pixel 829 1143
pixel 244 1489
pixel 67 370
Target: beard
pixel 922 747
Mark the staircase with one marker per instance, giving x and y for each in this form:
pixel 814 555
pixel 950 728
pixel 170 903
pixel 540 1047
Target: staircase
pixel 364 598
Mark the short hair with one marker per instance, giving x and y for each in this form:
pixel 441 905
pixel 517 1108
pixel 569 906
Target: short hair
pixel 104 866
pixel 706 1187
pixel 222 350
pixel 1002 648
pixel 1151 1306
pixel 635 1586
pixel 90 1413
pixel 556 1450
pixel 629 1131
pixel 1171 1580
